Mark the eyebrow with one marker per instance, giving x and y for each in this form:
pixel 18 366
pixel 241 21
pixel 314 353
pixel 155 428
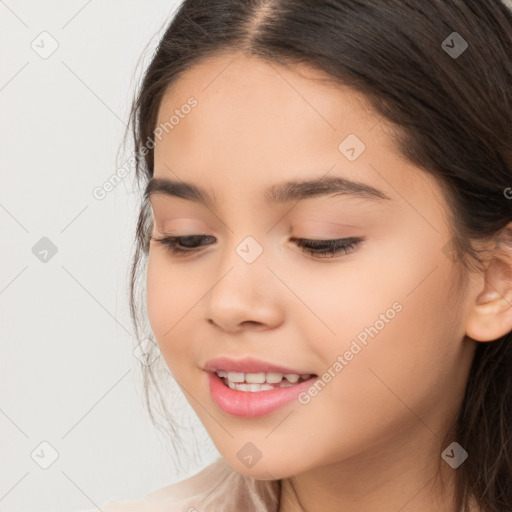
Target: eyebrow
pixel 293 190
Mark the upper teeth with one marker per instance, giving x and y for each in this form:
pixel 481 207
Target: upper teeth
pixel 260 378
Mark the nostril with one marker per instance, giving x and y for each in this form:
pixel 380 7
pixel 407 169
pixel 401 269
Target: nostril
pixel 250 323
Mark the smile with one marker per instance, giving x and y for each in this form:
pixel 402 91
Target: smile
pixel 253 382
pixel 237 396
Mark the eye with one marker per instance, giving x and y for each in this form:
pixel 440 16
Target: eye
pixel 328 248
pixel 172 243
pixel 322 248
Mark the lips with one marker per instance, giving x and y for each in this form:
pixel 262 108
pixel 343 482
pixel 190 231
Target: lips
pixel 246 404
pixel 250 365
pixel 243 400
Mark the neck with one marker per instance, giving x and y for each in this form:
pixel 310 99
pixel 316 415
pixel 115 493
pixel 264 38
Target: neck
pixel 404 475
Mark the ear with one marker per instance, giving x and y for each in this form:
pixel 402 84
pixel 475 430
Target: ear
pixel 490 316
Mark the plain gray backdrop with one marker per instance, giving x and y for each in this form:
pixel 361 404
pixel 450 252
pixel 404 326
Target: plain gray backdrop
pixel 69 377
pixel 74 431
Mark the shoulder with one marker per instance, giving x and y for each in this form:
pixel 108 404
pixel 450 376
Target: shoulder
pixel 215 486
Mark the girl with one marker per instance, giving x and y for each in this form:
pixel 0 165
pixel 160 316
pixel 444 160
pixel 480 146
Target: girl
pixel 326 240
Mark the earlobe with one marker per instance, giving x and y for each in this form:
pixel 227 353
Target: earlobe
pixel 490 316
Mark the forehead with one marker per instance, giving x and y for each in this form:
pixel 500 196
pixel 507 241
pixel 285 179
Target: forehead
pixel 261 104
pixel 250 79
pixel 256 123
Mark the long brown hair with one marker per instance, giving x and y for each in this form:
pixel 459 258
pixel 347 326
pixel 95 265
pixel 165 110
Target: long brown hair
pixel 453 115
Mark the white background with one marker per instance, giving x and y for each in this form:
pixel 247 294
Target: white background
pixel 67 369
pixel 68 373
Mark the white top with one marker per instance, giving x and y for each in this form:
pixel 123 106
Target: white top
pixel 216 488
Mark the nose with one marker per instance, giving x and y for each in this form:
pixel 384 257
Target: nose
pixel 244 296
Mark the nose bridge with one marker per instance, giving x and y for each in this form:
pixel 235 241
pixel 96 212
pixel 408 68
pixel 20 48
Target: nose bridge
pixel 242 265
pixel 244 289
pixel 247 237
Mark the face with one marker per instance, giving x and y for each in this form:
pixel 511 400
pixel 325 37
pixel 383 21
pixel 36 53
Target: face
pixel 377 322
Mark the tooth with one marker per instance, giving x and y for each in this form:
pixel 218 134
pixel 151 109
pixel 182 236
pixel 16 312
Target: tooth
pixel 291 377
pixel 259 387
pixel 251 388
pixel 306 376
pixel 255 378
pixel 274 378
pixel 222 373
pixel 242 387
pixel 285 384
pixel 236 376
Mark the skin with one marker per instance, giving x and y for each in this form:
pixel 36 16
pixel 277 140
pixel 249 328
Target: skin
pixel 372 438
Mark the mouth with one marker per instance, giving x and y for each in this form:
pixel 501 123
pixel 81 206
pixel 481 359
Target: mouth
pixel 249 388
pixel 254 368
pixel 261 381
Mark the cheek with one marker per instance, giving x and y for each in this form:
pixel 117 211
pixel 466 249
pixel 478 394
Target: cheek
pixel 159 297
pixel 170 306
pixel 395 329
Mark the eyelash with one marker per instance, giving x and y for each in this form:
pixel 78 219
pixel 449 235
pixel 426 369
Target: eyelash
pixel 328 248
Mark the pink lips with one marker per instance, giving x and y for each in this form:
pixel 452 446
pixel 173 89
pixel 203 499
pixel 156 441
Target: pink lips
pixel 248 365
pixel 249 404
